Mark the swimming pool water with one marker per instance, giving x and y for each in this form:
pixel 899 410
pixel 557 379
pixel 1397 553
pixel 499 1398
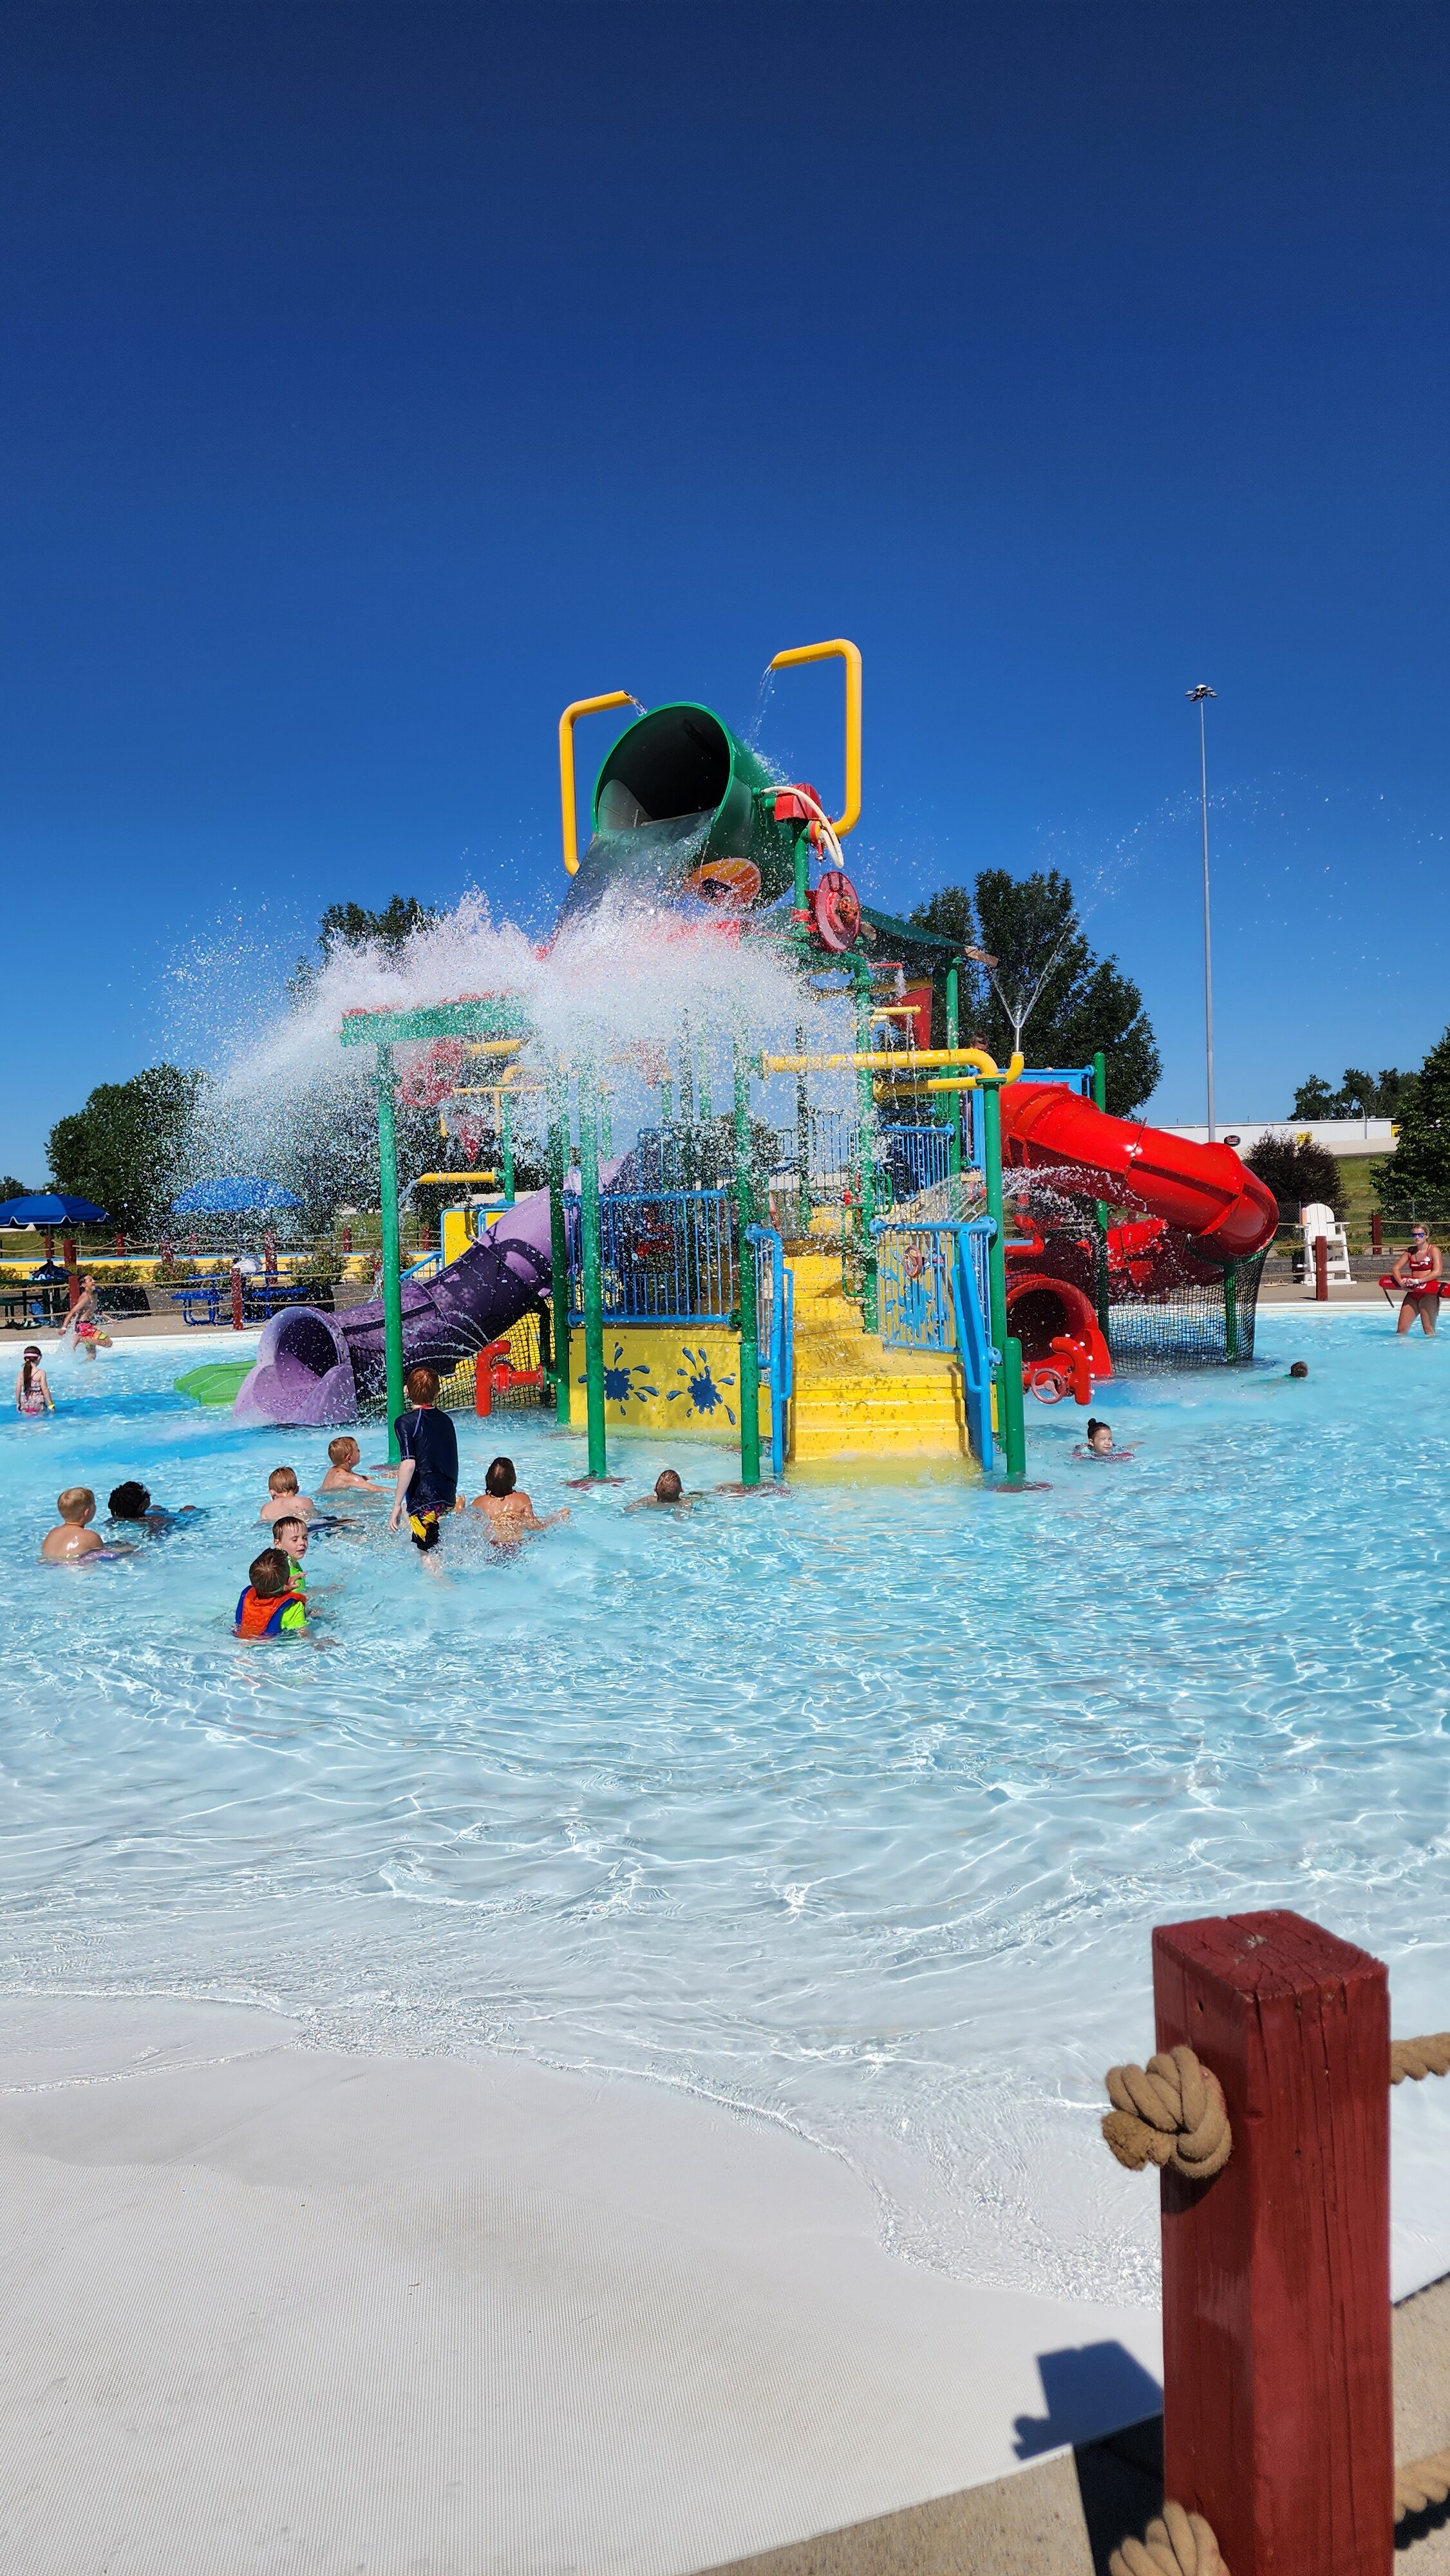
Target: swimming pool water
pixel 854 1806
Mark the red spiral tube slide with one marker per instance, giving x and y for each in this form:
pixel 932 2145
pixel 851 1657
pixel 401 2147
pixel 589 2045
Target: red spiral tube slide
pixel 1204 1189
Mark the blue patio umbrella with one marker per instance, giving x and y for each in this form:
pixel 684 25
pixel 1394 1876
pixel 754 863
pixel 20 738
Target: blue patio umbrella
pixel 233 1195
pixel 49 1209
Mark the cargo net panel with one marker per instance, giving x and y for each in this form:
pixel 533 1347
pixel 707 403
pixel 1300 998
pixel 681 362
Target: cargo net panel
pixel 1186 1325
pixel 1172 1303
pixel 516 1374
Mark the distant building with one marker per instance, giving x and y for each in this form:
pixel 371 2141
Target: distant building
pixel 1337 1135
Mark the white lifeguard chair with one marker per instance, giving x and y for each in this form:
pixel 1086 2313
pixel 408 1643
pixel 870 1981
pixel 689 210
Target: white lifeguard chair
pixel 1317 1220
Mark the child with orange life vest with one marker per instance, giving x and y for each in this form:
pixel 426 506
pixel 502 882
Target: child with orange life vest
pixel 271 1606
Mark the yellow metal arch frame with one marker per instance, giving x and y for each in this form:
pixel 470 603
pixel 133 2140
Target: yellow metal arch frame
pixel 568 793
pixel 838 649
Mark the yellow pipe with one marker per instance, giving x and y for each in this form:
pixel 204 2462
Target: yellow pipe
pixel 567 798
pixel 492 1046
pixel 453 1176
pixel 850 654
pixel 878 1060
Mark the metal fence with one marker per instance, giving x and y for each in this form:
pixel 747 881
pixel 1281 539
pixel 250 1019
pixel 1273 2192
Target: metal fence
pixel 775 1332
pixel 667 1257
pixel 933 1291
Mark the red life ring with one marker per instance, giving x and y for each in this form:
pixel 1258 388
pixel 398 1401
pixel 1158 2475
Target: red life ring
pixel 836 911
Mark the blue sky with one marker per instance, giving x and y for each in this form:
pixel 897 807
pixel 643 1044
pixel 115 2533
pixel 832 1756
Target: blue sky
pixel 378 379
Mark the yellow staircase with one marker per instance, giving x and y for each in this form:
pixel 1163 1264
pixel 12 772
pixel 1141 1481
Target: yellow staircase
pixel 853 1397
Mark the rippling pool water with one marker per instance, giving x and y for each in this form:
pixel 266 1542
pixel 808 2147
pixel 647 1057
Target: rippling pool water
pixel 854 1805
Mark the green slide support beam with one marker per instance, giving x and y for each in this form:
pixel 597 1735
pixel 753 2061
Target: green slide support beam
pixel 1102 1299
pixel 1009 1376
pixel 959 1098
pixel 589 1229
pixel 749 1312
pixel 866 1094
pixel 392 1265
pixel 559 1258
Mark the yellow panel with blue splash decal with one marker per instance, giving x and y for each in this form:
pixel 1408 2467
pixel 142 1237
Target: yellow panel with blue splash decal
pixel 668 1380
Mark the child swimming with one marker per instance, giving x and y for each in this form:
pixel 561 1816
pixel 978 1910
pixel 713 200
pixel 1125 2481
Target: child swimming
pixel 271 1605
pixel 289 1533
pixel 130 1506
pixel 32 1388
pixel 1099 1443
pixel 509 1512
pixel 73 1537
pixel 283 1496
pixel 669 1495
pixel 342 1476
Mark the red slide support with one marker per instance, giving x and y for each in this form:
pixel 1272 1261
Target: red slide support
pixel 1204 1189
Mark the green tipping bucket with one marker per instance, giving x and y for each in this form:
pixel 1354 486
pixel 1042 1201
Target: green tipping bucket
pixel 684 812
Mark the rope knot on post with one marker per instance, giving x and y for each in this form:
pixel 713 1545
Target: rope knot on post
pixel 1178 2544
pixel 1169 2112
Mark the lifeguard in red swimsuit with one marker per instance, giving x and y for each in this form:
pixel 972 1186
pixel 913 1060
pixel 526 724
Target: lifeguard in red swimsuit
pixel 1419 1272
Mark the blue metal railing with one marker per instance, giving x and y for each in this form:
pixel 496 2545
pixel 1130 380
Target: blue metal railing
pixel 918 1158
pixel 775 1332
pixel 667 1256
pixel 932 1286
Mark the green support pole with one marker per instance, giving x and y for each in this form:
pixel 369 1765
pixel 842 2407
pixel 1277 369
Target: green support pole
pixel 802 1136
pixel 1231 1312
pixel 507 1124
pixel 392 1265
pixel 953 1021
pixel 866 1094
pixel 802 880
pixel 1100 1262
pixel 1009 1376
pixel 559 1257
pixel 749 1315
pixel 593 1277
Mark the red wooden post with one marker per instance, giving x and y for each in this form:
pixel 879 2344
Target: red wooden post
pixel 483 1382
pixel 1376 1231
pixel 347 1241
pixel 236 1299
pixel 1276 2274
pixel 1321 1269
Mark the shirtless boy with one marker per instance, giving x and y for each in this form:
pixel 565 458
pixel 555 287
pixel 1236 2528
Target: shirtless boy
pixel 510 1513
pixel 73 1537
pixel 283 1496
pixel 342 1476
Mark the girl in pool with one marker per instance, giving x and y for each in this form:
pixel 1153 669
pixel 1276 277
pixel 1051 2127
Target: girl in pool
pixel 32 1392
pixel 1418 1272
pixel 84 1324
pixel 1099 1443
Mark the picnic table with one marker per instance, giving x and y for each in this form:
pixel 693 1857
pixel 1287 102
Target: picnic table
pixel 19 1304
pixel 210 1300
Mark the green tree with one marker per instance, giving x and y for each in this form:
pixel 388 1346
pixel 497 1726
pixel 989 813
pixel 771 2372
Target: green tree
pixel 10 1188
pixel 1360 1095
pixel 352 925
pixel 1049 991
pixel 128 1147
pixel 1418 1172
pixel 1299 1175
pixel 1046 986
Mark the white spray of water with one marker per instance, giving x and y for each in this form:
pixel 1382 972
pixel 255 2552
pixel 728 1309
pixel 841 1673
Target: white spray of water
pixel 616 992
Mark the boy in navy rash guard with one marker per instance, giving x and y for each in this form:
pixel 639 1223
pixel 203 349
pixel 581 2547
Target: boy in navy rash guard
pixel 428 1468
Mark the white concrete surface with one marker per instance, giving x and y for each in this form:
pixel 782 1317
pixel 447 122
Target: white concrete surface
pixel 1342 1136
pixel 269 2310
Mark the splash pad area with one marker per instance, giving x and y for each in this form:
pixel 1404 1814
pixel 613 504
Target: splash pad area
pixel 682 1958
pixel 839 1820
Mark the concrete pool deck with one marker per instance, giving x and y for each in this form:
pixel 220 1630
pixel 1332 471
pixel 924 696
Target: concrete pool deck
pixel 271 2309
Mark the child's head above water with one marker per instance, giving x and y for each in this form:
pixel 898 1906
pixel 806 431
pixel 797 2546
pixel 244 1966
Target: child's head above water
pixel 422 1386
pixel 290 1532
pixel 343 1451
pixel 129 1502
pixel 1099 1435
pixel 501 1478
pixel 1300 1369
pixel 283 1480
pixel 668 1487
pixel 270 1573
pixel 76 1505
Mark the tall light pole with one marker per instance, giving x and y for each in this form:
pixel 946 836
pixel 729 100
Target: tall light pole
pixel 1199 698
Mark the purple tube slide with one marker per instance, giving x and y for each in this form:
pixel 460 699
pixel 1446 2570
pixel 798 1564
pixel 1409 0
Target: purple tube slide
pixel 315 1368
